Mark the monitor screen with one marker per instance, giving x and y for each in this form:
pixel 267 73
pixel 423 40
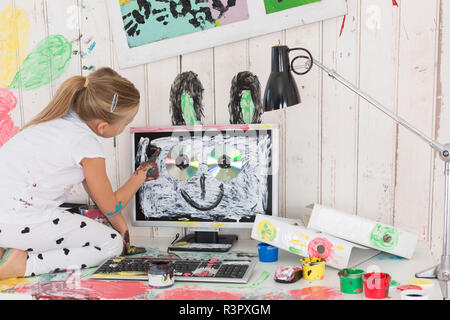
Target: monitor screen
pixel 209 176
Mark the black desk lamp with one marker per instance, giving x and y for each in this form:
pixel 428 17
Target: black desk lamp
pixel 281 83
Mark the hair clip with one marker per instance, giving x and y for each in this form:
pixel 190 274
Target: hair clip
pixel 114 103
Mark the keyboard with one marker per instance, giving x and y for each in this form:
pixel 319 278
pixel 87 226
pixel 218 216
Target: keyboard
pixel 195 270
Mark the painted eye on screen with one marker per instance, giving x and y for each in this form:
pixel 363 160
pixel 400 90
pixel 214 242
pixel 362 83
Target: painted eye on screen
pixel 181 162
pixel 224 162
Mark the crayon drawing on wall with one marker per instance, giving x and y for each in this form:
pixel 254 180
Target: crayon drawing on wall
pixel 280 5
pixel 147 21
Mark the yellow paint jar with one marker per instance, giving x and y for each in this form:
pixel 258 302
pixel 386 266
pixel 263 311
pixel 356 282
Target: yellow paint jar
pixel 313 268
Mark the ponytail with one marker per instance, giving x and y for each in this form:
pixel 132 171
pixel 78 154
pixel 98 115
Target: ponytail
pixel 61 103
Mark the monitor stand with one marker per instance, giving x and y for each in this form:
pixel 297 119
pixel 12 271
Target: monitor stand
pixel 204 241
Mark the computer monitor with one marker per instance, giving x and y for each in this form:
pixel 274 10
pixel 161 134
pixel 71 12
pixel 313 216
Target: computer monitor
pixel 210 177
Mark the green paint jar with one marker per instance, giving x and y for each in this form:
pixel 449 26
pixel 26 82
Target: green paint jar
pixel 351 280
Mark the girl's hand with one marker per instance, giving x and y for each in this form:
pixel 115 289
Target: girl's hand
pixel 147 171
pixel 129 250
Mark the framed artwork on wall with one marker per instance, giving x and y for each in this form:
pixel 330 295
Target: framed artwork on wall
pixel 151 30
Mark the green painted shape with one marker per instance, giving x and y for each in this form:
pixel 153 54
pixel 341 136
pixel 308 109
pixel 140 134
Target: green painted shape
pixel 394 283
pixel 275 5
pixel 384 237
pixel 295 250
pixel 44 64
pixel 247 106
pixel 187 107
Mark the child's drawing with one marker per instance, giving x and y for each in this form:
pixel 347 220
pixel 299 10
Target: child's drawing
pixel 147 21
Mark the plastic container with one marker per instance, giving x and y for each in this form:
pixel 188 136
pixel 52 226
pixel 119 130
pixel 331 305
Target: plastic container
pixel 267 253
pixel 351 280
pixel 413 295
pixel 313 268
pixel 376 285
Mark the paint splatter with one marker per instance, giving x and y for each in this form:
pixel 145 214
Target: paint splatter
pixel 14 30
pixel 342 26
pixel 387 256
pixel 7 128
pixel 245 104
pixel 317 293
pixel 196 293
pixel 45 63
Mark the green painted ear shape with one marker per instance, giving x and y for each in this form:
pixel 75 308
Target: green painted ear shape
pixel 247 106
pixel 187 107
pixel 45 63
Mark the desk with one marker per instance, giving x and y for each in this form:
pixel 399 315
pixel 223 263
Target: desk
pixel 261 285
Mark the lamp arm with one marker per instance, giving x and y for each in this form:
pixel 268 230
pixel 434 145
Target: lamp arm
pixel 443 150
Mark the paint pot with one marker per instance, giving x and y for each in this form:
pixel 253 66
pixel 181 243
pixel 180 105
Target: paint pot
pixel 413 295
pixel 351 280
pixel 376 285
pixel 160 274
pixel 313 268
pixel 92 212
pixel 267 253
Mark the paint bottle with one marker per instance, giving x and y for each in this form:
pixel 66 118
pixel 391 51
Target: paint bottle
pixel 160 274
pixel 267 253
pixel 351 280
pixel 313 268
pixel 376 285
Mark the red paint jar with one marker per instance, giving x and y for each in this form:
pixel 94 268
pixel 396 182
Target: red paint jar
pixel 376 285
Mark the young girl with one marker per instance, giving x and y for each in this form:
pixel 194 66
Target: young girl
pixel 59 148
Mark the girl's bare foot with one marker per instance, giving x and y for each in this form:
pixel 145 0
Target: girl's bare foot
pixel 12 263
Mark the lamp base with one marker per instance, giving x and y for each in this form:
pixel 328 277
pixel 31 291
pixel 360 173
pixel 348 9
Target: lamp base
pixel 441 272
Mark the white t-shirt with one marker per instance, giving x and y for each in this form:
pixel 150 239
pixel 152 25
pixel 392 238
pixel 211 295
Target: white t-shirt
pixel 40 165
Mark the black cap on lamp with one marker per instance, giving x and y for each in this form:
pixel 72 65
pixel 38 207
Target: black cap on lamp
pixel 281 89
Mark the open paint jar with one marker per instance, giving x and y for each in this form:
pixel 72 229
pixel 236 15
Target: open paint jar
pixel 376 285
pixel 351 280
pixel 313 268
pixel 160 274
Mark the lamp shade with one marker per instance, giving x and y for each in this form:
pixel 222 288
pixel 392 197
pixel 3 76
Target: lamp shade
pixel 281 89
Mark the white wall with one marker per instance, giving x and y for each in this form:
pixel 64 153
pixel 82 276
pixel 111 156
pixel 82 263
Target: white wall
pixel 341 152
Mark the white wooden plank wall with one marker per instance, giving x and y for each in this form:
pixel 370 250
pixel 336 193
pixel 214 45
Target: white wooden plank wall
pixel 339 151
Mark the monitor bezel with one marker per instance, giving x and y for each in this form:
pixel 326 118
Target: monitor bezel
pixel 210 225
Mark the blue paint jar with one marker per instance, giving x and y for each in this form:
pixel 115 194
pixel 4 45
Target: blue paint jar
pixel 267 253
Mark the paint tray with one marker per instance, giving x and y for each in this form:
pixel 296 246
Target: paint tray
pixel 363 231
pixel 292 236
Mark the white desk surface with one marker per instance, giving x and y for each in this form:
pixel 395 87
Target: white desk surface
pixel 401 270
pixel 261 285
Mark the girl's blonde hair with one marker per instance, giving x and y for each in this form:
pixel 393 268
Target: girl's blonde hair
pixel 91 98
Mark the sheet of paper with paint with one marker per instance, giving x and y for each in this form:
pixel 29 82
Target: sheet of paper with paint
pixel 363 231
pixel 290 235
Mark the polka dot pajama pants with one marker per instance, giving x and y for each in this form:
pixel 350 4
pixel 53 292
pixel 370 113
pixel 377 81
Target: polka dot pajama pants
pixel 67 241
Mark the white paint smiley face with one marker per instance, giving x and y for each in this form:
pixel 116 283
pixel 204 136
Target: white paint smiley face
pixel 204 193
